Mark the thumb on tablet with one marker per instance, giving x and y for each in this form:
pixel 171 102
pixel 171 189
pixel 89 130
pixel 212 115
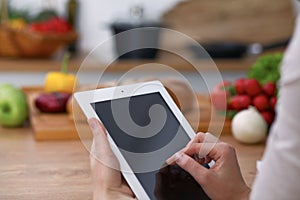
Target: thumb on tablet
pixel 100 149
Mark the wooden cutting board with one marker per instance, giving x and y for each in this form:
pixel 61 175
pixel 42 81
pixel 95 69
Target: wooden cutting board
pixel 53 126
pixel 62 127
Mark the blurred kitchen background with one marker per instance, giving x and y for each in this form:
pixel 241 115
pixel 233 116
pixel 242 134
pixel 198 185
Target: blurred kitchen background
pixel 254 25
pixel 245 38
pixel 94 17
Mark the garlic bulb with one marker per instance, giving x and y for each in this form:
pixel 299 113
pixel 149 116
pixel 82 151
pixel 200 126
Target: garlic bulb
pixel 248 126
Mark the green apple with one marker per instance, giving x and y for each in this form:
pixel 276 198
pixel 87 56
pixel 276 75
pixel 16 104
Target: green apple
pixel 13 106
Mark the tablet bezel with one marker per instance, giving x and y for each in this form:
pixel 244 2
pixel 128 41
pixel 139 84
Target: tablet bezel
pixel 86 98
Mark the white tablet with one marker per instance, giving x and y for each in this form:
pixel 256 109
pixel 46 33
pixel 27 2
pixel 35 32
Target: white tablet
pixel 145 127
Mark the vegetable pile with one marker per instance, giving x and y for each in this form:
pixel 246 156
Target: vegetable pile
pixel 237 96
pixel 59 86
pixel 259 90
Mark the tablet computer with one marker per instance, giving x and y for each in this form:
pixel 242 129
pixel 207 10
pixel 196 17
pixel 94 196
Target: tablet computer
pixel 145 127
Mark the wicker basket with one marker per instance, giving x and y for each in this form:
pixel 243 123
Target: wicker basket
pixel 25 43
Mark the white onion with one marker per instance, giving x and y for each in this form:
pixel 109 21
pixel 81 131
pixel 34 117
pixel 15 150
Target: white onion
pixel 248 126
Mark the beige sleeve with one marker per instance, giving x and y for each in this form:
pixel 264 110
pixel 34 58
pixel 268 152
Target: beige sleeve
pixel 279 175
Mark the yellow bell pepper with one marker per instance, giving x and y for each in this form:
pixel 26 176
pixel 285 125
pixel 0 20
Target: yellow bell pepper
pixel 61 81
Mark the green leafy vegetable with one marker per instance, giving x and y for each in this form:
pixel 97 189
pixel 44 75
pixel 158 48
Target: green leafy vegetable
pixel 44 15
pixel 266 68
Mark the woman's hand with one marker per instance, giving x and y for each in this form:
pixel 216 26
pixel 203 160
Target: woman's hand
pixel 107 180
pixel 224 179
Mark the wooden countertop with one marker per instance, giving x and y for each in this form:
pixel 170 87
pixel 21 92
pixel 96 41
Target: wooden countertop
pixel 60 169
pixel 177 63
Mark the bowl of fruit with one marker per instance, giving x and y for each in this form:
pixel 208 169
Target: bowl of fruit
pixel 39 36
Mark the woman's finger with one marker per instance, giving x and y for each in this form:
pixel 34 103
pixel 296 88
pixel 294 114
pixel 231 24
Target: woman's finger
pixel 192 167
pixel 207 142
pixel 199 137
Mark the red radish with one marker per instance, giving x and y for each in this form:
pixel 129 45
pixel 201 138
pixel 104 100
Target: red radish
pixel 268 116
pixel 252 87
pixel 240 102
pixel 273 102
pixel 261 102
pixel 269 89
pixel 219 95
pixel 240 86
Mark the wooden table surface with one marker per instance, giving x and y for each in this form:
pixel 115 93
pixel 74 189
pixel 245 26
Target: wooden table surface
pixel 60 169
pixel 177 63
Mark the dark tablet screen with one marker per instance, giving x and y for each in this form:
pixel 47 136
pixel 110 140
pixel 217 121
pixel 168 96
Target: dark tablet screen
pixel 147 133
